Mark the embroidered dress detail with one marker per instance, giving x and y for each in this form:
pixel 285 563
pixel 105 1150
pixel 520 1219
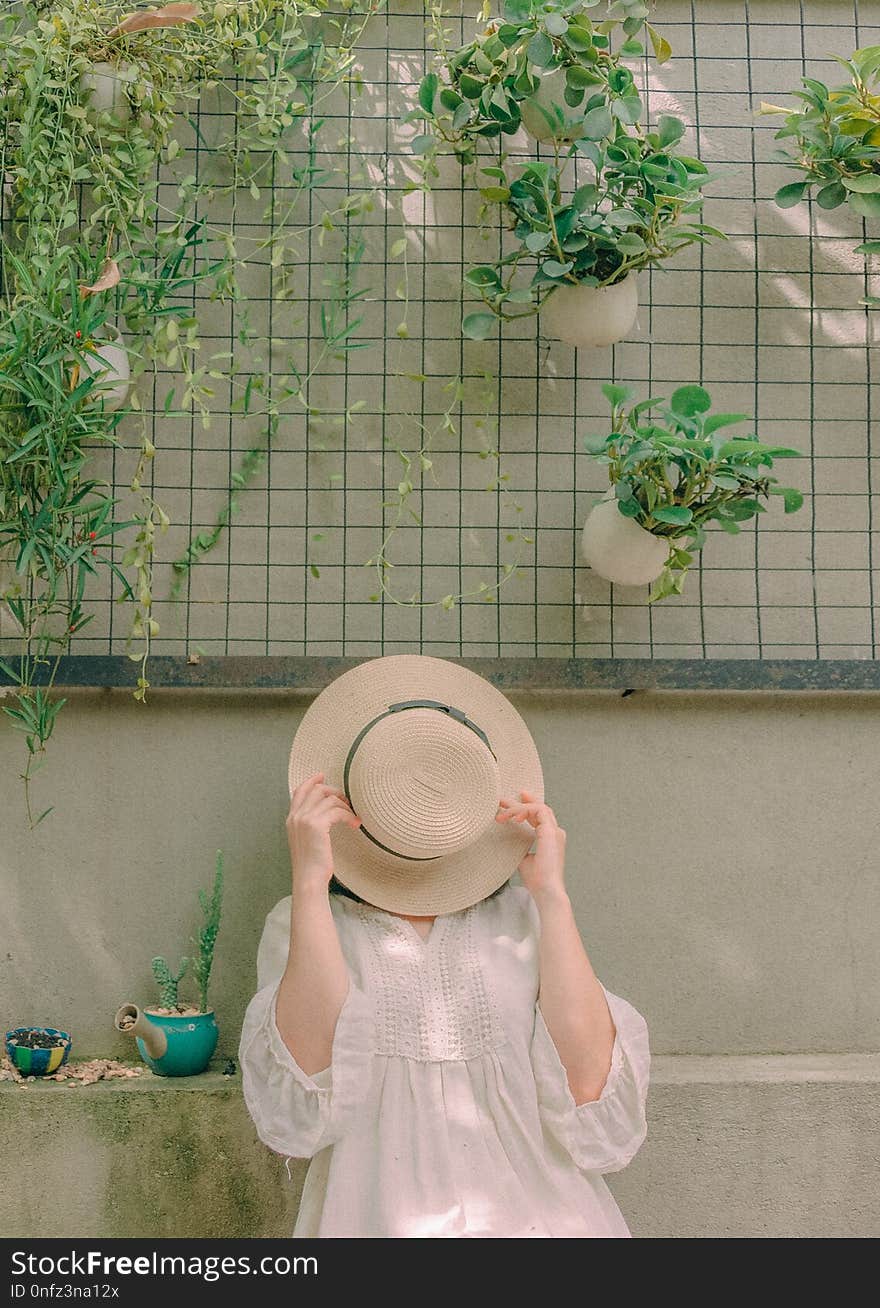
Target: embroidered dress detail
pixel 434 1004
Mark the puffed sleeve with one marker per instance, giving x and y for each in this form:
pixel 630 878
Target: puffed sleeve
pixel 294 1113
pixel 606 1133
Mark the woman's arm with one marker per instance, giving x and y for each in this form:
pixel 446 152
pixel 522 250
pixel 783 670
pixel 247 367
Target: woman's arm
pixel 571 998
pixel 315 982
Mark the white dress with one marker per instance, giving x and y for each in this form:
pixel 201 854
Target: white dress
pixel 445 1110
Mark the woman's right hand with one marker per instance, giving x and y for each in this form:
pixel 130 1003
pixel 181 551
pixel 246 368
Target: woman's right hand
pixel 314 808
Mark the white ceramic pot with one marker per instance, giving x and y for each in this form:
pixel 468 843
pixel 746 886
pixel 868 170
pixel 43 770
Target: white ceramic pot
pixel 618 549
pixel 549 95
pixel 104 89
pixel 590 316
pixel 108 363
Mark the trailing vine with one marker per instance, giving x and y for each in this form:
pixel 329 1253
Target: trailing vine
pixel 93 103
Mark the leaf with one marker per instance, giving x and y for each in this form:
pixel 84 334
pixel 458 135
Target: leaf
pixel 661 47
pixel 867 206
pixel 616 394
pixel 553 268
pixel 597 123
pixel 688 400
pixel 716 420
pixel 868 247
pixel 556 24
pixel 788 196
pixel 669 130
pixel 594 444
pixel 540 50
pixel 108 279
pixel 677 514
pixel 477 326
pixel 421 144
pixel 537 241
pixel 168 16
pixel 831 196
pixel 428 92
pixel 793 499
pixel 862 183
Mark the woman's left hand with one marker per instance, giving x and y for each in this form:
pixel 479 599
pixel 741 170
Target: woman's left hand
pixel 543 870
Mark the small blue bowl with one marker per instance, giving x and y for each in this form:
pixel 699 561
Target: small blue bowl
pixel 37 1062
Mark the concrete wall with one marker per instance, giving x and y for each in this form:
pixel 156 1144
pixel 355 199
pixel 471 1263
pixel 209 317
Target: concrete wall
pixel 777 1146
pixel 722 857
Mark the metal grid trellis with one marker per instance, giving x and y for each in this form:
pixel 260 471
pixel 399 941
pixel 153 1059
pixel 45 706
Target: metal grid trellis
pixel 769 321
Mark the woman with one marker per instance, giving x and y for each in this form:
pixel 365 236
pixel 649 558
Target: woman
pixel 446 1057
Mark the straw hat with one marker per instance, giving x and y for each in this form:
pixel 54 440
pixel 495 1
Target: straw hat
pixel 425 749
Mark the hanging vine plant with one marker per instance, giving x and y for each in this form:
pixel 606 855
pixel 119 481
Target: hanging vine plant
pixel 97 267
pixel 553 70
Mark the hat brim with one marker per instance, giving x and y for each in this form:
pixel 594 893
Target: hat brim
pixel 452 881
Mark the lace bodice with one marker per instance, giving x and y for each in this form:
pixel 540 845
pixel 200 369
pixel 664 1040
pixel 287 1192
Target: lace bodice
pixel 432 1003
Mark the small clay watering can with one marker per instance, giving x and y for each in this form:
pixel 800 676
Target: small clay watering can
pixel 171 1046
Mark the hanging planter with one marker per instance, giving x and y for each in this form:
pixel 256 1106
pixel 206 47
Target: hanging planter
pixel 105 89
pixel 586 316
pixel 673 472
pixel 635 201
pixel 618 549
pixel 107 361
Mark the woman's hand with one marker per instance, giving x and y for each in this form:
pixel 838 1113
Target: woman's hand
pixel 314 808
pixel 543 870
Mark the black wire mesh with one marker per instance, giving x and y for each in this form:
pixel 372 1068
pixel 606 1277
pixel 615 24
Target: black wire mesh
pixel 769 322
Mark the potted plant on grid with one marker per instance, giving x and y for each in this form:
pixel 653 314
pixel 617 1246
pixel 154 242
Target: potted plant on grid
pixel 673 470
pixel 583 244
pixel 177 1038
pixel 834 142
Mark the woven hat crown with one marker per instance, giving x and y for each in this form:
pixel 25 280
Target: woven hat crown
pixel 423 783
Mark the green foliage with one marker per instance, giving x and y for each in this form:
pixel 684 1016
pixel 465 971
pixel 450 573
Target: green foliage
pixel 675 469
pixel 90 245
pixel 168 982
pixel 204 940
pixel 207 934
pixel 834 142
pixel 643 196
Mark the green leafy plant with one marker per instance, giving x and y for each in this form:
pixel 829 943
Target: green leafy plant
pixel 834 142
pixel 675 469
pixel 95 102
pixel 168 981
pixel 640 202
pixel 204 941
pixel 206 937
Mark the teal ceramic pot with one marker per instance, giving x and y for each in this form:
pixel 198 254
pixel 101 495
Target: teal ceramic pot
pixel 191 1042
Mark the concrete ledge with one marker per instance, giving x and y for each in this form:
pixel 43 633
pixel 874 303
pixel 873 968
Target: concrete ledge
pixel 739 1147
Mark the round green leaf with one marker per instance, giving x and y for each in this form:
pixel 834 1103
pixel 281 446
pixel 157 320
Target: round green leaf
pixel 864 182
pixel 831 196
pixel 597 123
pixel 688 400
pixel 477 326
pixel 555 24
pixel 866 205
pixel 540 50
